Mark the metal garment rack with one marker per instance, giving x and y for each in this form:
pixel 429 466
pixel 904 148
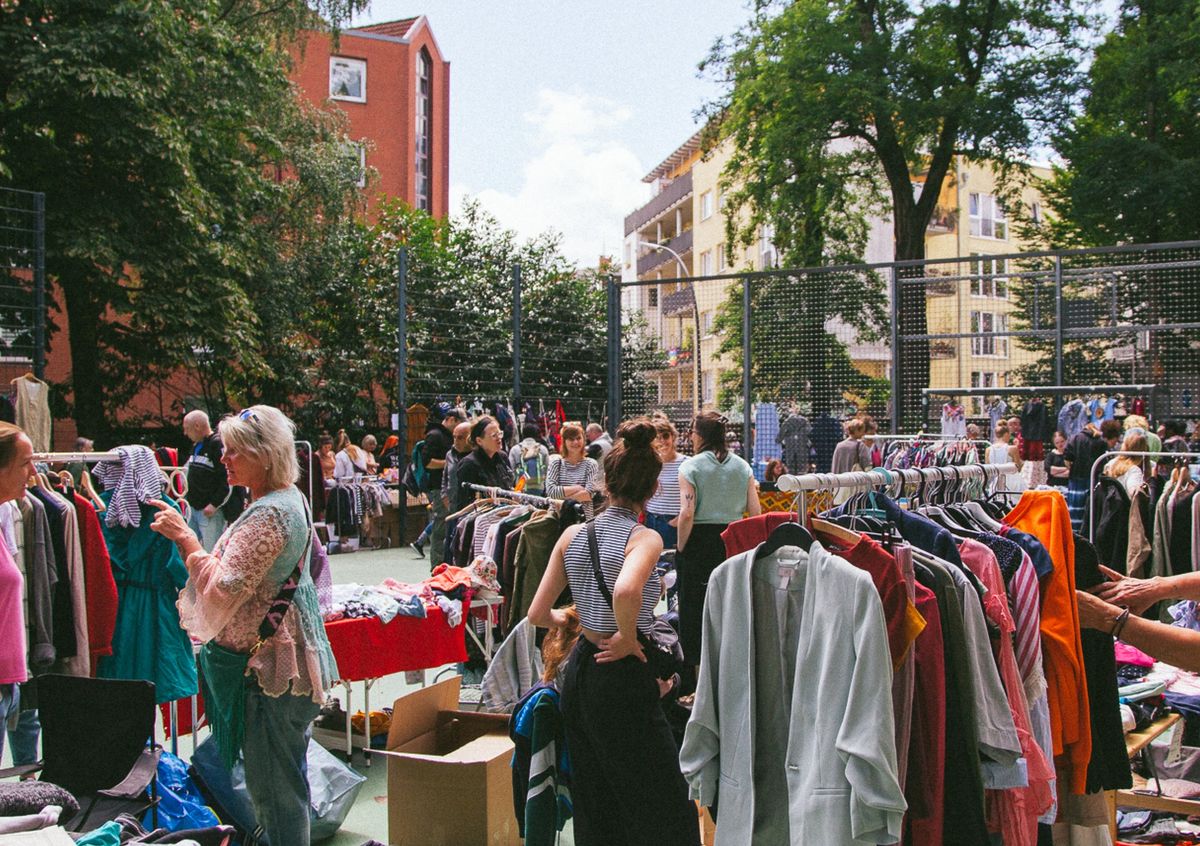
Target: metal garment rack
pixel 1117 453
pixel 518 496
pixel 883 478
pixel 1037 392
pixel 68 457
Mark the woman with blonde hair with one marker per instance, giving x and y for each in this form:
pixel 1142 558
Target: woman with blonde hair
pixel 1132 470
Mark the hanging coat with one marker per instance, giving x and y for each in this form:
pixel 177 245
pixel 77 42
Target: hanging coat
pixel 148 642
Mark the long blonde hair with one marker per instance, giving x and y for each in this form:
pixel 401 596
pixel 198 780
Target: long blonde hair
pixel 1122 464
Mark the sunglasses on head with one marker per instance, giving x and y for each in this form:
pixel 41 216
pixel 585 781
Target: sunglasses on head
pixel 248 415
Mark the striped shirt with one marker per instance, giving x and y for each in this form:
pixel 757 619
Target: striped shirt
pixel 666 498
pixel 562 473
pixel 613 529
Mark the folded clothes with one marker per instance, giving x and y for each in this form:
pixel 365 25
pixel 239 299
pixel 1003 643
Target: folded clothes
pixel 1126 654
pixel 1174 788
pixel 1141 690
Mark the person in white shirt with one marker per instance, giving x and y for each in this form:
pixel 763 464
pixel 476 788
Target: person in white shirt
pixel 1130 469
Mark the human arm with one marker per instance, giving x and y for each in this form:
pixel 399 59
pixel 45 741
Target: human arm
pixel 1014 455
pixel 542 612
pixel 687 512
pixel 1174 645
pixel 753 505
pixel 557 490
pixel 170 524
pixel 641 556
pixel 1140 594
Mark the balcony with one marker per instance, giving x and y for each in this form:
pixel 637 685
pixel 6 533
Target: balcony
pixel 667 199
pixel 679 302
pixel 681 244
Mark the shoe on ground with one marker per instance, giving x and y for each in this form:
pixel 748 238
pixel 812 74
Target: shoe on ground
pixel 420 549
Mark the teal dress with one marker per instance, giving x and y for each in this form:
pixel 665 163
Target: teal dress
pixel 149 642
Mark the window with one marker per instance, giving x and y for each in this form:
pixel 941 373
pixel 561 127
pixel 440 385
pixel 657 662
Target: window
pixel 347 79
pixel 706 323
pixel 710 387
pixel 706 205
pixel 357 151
pixel 989 277
pixel 1035 213
pixel 424 129
pixel 652 299
pixel 983 379
pixel 766 246
pixel 628 255
pixel 706 263
pixel 987 217
pixel 721 258
pixel 984 325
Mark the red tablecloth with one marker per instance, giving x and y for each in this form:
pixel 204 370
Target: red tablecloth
pixel 365 648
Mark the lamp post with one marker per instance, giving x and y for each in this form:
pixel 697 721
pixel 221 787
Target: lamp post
pixel 684 274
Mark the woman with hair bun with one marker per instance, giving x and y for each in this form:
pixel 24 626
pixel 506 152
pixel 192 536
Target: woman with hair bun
pixel 715 488
pixel 626 783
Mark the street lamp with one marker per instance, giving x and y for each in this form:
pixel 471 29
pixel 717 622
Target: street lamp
pixel 683 274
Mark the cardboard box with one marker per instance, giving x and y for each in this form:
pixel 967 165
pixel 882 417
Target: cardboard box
pixel 449 773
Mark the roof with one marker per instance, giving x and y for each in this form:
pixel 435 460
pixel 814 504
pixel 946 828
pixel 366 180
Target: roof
pixel 681 155
pixel 396 29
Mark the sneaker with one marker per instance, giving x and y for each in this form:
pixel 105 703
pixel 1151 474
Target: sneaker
pixel 419 547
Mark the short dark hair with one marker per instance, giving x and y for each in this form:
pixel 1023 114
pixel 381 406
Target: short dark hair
pixel 632 466
pixel 710 426
pixel 1110 430
pixel 1173 428
pixel 530 430
pixel 479 427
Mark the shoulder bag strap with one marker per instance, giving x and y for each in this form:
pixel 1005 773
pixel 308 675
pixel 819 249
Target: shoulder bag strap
pixel 283 599
pixel 594 550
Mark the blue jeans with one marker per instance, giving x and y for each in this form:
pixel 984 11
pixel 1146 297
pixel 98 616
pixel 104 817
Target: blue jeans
pixel 23 731
pixel 658 522
pixel 275 752
pixel 207 529
pixel 10 703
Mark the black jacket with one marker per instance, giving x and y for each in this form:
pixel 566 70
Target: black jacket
pixel 478 469
pixel 208 483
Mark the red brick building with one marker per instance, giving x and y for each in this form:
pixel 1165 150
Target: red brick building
pixel 393 83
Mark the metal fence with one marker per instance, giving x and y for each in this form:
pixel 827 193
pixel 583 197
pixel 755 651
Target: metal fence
pixel 23 286
pixel 899 340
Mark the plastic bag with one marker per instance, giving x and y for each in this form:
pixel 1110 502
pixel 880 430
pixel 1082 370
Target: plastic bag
pixel 180 805
pixel 333 787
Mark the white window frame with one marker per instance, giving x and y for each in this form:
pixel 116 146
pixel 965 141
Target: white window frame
pixel 706 263
pixel 983 379
pixel 987 217
pixel 710 386
pixel 989 277
pixel 706 205
pixel 706 324
pixel 990 341
pixel 721 257
pixel 767 254
pixel 359 65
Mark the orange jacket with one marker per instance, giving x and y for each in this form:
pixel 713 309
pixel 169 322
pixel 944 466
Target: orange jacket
pixel 1044 515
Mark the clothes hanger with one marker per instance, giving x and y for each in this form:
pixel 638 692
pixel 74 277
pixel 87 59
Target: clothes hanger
pixel 785 534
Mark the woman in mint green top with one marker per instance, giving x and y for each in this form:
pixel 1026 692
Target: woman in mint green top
pixel 267 712
pixel 716 488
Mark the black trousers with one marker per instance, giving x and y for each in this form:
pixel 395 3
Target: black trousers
pixel 705 551
pixel 625 781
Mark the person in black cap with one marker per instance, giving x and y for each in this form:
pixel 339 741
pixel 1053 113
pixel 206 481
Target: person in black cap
pixel 439 439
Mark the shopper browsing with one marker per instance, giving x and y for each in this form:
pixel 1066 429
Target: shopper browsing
pixel 574 476
pixel 662 511
pixel 265 673
pixel 716 487
pixel 626 783
pixel 16 466
pixel 486 465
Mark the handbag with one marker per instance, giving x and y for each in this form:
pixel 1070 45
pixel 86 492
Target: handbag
pixel 223 672
pixel 664 654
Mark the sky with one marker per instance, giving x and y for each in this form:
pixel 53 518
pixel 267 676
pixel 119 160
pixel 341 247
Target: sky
pixel 558 109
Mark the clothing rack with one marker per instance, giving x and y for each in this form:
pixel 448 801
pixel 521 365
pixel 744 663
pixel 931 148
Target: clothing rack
pixel 1035 392
pixel 1117 453
pixel 883 478
pixel 517 496
pixel 69 457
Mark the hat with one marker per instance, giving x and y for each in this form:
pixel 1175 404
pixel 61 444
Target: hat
pixel 444 409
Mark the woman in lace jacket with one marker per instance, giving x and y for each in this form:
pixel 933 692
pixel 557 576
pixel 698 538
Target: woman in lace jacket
pixel 227 596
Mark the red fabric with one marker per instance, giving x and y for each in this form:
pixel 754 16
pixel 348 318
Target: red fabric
pixel 446 577
pixel 100 592
pixel 743 535
pixel 893 592
pixel 183 714
pixel 925 788
pixel 366 649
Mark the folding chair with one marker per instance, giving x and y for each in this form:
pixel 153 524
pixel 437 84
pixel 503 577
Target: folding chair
pixel 98 743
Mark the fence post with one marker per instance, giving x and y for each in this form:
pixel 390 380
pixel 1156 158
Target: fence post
pixel 402 373
pixel 516 333
pixel 614 354
pixel 747 323
pixel 897 402
pixel 1059 328
pixel 39 286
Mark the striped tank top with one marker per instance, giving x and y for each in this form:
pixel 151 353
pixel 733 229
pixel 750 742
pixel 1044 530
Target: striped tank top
pixel 613 529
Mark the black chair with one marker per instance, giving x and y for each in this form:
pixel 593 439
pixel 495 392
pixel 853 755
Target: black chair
pixel 98 743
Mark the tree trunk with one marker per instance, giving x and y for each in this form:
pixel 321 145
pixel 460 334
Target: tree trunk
pixel 83 323
pixel 913 355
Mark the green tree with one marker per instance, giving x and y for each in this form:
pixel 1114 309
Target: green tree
pixel 174 154
pixel 835 94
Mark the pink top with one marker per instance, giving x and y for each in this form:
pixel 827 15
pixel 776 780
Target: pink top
pixel 13 660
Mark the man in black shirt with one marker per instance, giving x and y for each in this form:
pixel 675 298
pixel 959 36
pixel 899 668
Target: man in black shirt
pixel 213 503
pixel 1081 454
pixel 439 440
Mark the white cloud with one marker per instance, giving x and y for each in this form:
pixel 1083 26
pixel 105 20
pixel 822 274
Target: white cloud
pixel 578 180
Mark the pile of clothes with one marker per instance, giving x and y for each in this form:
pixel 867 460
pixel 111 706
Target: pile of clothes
pixel 446 588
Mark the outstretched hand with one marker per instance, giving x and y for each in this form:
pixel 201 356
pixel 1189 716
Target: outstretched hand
pixel 168 522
